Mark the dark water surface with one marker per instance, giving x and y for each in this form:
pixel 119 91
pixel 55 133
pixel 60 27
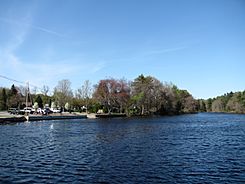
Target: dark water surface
pixel 199 148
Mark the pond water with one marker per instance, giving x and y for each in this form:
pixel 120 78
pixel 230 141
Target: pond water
pixel 197 148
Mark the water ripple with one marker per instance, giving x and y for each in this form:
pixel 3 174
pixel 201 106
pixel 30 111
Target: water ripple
pixel 199 148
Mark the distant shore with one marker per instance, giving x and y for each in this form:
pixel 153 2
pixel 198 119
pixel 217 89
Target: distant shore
pixel 5 117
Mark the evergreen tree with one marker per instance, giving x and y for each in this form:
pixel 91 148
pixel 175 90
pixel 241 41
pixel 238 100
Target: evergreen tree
pixel 39 101
pixel 3 100
pixel 13 97
pixel 13 91
pixel 209 105
pixel 202 106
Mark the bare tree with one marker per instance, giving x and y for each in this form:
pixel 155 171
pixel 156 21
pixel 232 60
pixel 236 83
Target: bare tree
pixel 217 105
pixel 104 93
pixel 45 90
pixel 112 94
pixel 63 92
pixel 86 92
pixel 123 95
pixel 190 104
pixel 79 94
pixel 22 90
pixel 34 90
pixel 87 89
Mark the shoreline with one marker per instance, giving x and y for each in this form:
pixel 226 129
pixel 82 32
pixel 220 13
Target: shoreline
pixel 6 118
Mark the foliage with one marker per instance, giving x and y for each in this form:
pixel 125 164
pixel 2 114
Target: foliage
pixel 3 99
pixel 67 106
pixel 150 96
pixel 35 106
pixel 13 97
pixel 53 105
pixel 145 95
pixel 39 101
pixel 202 105
pixel 229 102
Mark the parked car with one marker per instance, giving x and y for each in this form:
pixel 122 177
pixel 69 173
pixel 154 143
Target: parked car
pixel 46 111
pixel 13 111
pixel 55 110
pixel 28 110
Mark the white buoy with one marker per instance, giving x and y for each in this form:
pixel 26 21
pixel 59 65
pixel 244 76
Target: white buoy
pixel 27 118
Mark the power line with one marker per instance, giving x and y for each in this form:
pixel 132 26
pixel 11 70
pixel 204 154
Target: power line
pixel 14 80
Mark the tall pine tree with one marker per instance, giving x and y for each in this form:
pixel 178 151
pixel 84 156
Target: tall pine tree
pixel 3 100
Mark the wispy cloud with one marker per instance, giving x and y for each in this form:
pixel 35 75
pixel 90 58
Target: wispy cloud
pixel 146 53
pixel 94 68
pixel 47 30
pixel 13 66
pixel 39 74
pixel 166 50
pixel 8 48
pixel 45 69
pixel 32 26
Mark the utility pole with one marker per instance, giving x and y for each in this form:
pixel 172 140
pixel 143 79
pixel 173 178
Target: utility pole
pixel 27 92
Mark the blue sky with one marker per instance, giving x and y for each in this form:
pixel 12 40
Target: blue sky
pixel 198 45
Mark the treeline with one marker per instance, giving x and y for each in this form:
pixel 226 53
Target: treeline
pixel 229 102
pixel 145 95
pixel 15 97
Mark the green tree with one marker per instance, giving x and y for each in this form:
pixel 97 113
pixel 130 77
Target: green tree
pixel 35 106
pixel 3 100
pixel 45 98
pixel 150 94
pixel 39 101
pixel 184 102
pixel 229 102
pixel 209 105
pixel 235 103
pixel 13 90
pixel 53 105
pixel 13 97
pixel 141 90
pixel 67 106
pixel 202 106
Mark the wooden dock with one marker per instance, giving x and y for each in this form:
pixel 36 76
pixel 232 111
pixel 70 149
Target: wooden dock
pixel 12 120
pixel 110 115
pixel 7 120
pixel 41 118
pixel 17 119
